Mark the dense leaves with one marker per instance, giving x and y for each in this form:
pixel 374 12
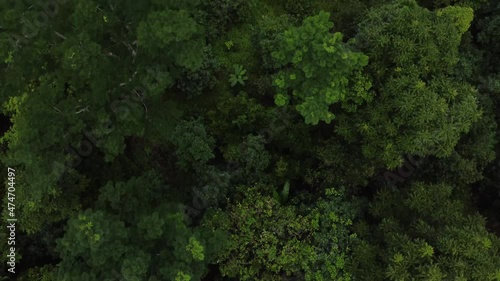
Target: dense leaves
pixel 250 140
pixel 136 235
pixel 419 108
pixel 426 233
pixel 270 241
pixel 323 68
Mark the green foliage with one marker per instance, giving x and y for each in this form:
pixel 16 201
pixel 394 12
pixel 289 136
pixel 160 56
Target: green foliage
pixel 322 68
pixel 412 53
pixel 472 154
pixel 242 51
pixel 39 210
pixel 238 77
pixel 340 164
pixel 265 238
pixel 237 115
pixel 270 240
pixel 75 78
pixel 250 156
pixel 389 30
pixel 299 9
pixel 194 83
pixel 229 44
pixel 44 273
pixel 269 31
pixel 333 216
pixel 175 35
pixel 196 249
pixel 194 147
pixel 487 37
pixel 221 15
pixel 444 3
pixel 426 233
pixel 96 95
pixel 38 180
pixel 120 238
pixel 347 14
pixel 282 196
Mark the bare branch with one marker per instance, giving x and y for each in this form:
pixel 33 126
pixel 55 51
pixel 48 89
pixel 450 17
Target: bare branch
pixel 57 109
pixel 60 35
pixel 82 110
pixel 131 49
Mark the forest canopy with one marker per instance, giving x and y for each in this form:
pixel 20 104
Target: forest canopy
pixel 258 140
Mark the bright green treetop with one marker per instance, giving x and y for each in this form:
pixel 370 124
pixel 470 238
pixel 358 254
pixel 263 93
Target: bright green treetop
pixel 318 69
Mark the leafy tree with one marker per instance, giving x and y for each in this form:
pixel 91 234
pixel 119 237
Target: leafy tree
pixel 425 232
pixel 237 115
pixel 333 216
pixel 67 76
pixel 412 53
pixel 97 94
pixel 134 233
pixel 299 9
pixel 473 153
pixel 339 164
pixel 265 238
pixel 194 147
pixel 347 14
pixel 269 32
pixel 176 32
pixel 220 15
pixel 270 241
pixel 445 3
pixel 250 156
pixel 322 70
pixel 194 83
pixel 91 77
